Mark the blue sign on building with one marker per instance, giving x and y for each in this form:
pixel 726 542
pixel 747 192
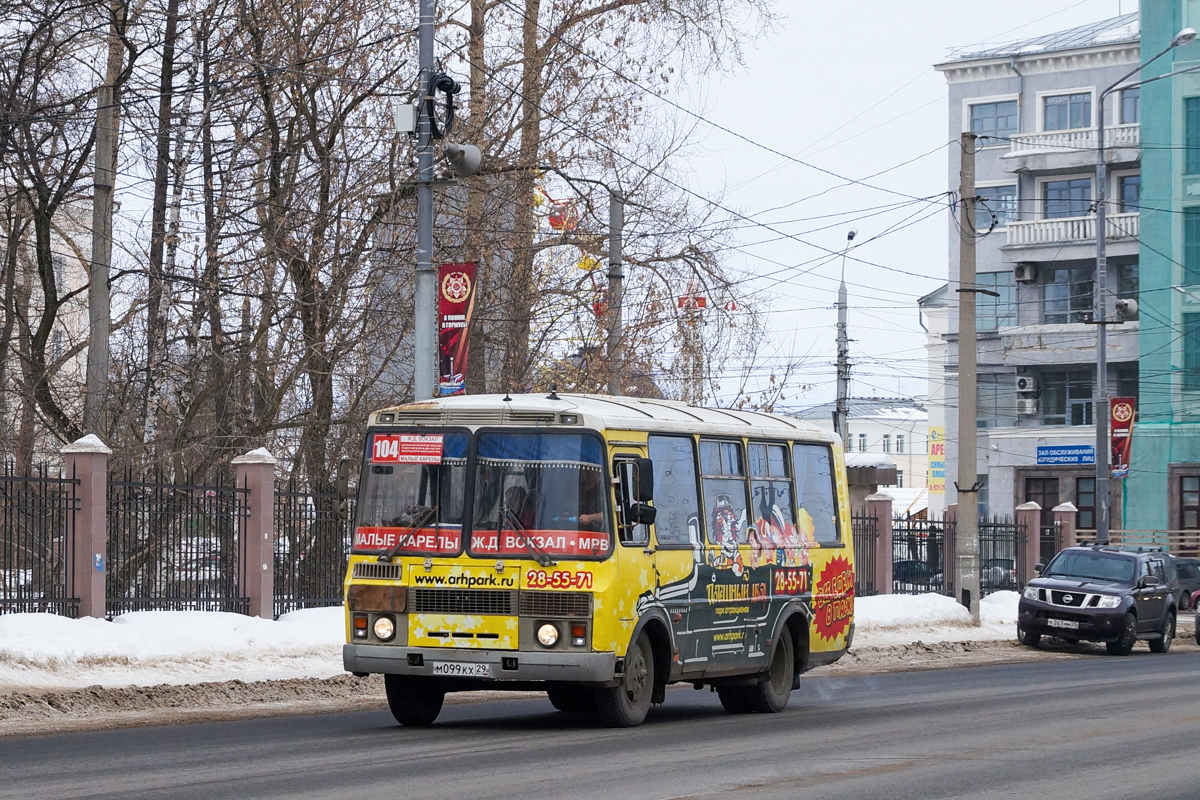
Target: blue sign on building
pixel 1051 454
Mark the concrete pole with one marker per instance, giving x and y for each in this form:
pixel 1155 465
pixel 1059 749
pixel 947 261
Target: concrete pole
pixel 840 421
pixel 967 554
pixel 1100 317
pixel 425 339
pixel 616 278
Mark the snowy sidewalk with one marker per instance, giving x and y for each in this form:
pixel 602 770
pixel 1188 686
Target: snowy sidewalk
pixel 43 651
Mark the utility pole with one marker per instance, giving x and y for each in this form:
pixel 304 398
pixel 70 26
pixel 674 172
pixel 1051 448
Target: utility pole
pixel 1100 317
pixel 843 356
pixel 616 277
pixel 967 487
pixel 107 120
pixel 425 363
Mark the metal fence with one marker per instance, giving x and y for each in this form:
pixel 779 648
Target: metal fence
pixel 311 549
pixel 866 551
pixel 1001 555
pixel 175 546
pixel 37 532
pixel 918 556
pixel 1051 541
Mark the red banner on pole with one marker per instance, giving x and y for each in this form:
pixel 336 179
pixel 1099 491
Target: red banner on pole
pixel 1121 423
pixel 456 302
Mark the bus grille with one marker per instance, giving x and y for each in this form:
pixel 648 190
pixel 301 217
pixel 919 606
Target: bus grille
pixel 377 570
pixel 555 604
pixel 460 601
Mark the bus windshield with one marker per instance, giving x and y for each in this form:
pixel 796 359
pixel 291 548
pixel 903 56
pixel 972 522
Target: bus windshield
pixel 540 493
pixel 412 479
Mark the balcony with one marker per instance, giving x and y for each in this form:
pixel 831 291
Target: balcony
pixel 1065 238
pixel 1053 150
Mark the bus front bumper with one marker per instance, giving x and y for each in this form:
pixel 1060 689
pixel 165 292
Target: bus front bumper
pixel 501 665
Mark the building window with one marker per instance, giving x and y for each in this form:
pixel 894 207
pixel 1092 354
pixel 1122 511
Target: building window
pixel 899 479
pixel 1127 380
pixel 1067 397
pixel 1191 135
pixel 899 442
pixel 1131 106
pixel 1129 192
pixel 887 443
pixel 1127 281
pixel 862 443
pixel 996 397
pixel 1189 502
pixel 1069 198
pixel 997 120
pixel 1043 491
pixel 1191 246
pixel 1085 502
pixel 1066 295
pixel 1064 112
pixel 1191 352
pixel 998 202
pixel 995 312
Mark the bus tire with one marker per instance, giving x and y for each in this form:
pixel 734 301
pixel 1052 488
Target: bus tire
pixel 573 701
pixel 626 705
pixel 770 695
pixel 735 699
pixel 415 702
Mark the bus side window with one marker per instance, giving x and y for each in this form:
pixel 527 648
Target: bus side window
pixel 723 469
pixel 771 503
pixel 675 492
pixel 817 515
pixel 627 534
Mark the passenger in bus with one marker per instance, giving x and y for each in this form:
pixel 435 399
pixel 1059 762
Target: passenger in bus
pixel 591 500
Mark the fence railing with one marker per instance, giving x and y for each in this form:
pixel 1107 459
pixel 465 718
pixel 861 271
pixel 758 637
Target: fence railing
pixel 918 556
pixel 865 527
pixel 176 546
pixel 1001 555
pixel 311 549
pixel 37 530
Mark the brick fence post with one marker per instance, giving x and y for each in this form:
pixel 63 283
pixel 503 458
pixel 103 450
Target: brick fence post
pixel 1064 518
pixel 87 459
pixel 1029 515
pixel 879 506
pixel 950 549
pixel 256 472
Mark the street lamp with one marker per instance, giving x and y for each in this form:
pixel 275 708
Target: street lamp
pixel 1100 313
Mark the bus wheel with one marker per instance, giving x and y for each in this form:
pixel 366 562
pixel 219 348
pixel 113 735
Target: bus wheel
pixel 735 699
pixel 771 693
pixel 413 701
pixel 625 706
pixel 573 701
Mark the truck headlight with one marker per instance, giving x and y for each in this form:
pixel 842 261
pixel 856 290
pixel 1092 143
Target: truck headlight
pixel 1109 601
pixel 1030 593
pixel 385 628
pixel 548 634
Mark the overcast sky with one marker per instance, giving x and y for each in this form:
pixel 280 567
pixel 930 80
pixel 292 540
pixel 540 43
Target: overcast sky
pixel 850 87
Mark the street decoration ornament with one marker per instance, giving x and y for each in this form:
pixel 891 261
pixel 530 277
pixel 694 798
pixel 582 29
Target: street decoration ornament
pixel 456 303
pixel 1121 424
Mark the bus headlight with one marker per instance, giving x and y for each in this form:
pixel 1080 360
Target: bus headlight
pixel 385 628
pixel 548 634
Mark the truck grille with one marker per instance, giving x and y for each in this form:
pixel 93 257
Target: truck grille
pixel 556 604
pixel 461 601
pixel 377 571
pixel 1071 599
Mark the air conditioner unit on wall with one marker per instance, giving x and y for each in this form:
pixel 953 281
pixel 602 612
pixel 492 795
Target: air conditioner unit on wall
pixel 1026 384
pixel 1025 272
pixel 1026 405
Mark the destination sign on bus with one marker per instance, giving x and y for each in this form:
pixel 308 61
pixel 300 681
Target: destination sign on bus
pixel 406 448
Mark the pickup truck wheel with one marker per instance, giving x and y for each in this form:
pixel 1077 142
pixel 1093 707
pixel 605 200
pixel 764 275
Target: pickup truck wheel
pixel 1163 643
pixel 1124 645
pixel 415 702
pixel 1028 639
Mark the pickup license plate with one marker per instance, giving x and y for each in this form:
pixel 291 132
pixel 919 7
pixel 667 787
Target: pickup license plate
pixel 462 669
pixel 1062 623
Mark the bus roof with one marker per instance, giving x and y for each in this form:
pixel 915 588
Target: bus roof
pixel 597 411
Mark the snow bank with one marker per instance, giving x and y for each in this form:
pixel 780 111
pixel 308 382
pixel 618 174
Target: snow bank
pixel 152 647
pixel 889 619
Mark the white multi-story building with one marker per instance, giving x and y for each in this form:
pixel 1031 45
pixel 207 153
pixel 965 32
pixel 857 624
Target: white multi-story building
pixel 893 426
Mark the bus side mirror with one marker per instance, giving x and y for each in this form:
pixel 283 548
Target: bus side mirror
pixel 342 488
pixel 644 481
pixel 642 514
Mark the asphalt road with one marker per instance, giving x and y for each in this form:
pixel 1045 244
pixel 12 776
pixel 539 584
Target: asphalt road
pixel 1095 728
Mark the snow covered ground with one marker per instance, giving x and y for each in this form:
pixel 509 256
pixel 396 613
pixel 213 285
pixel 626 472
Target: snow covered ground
pixel 152 647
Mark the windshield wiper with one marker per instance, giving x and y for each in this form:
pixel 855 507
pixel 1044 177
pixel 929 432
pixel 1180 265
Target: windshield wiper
pixel 427 514
pixel 539 555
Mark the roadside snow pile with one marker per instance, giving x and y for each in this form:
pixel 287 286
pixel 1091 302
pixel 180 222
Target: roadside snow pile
pixel 152 647
pixel 890 619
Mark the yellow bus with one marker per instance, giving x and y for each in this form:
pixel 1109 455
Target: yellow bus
pixel 599 549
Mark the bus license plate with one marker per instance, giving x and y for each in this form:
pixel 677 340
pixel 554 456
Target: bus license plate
pixel 1062 623
pixel 461 669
